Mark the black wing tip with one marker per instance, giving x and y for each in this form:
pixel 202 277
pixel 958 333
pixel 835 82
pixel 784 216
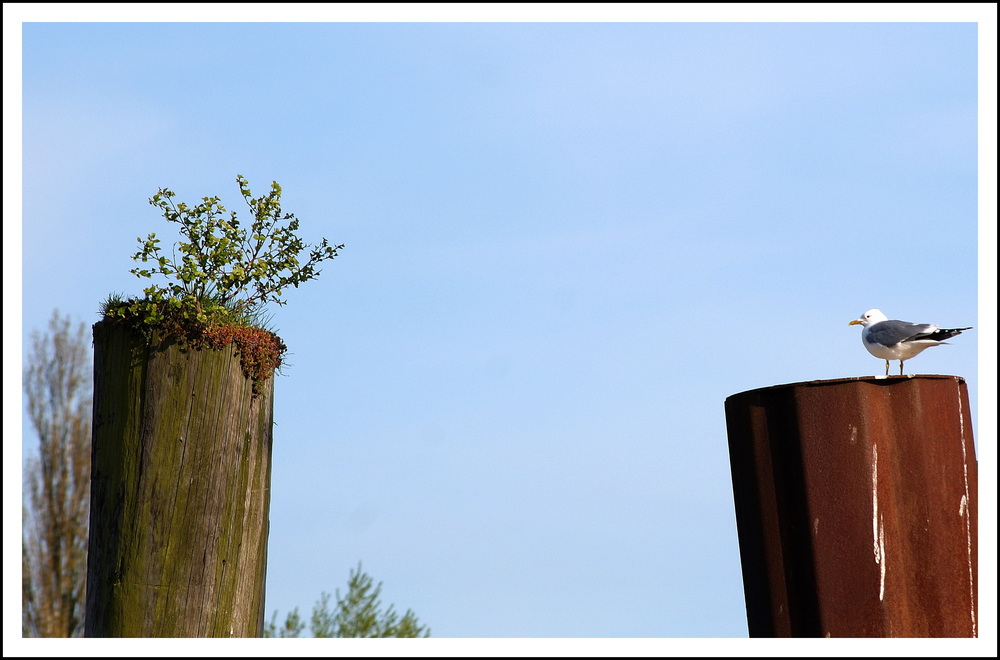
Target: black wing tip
pixel 938 335
pixel 947 333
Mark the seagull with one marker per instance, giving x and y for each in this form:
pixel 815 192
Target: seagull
pixel 899 340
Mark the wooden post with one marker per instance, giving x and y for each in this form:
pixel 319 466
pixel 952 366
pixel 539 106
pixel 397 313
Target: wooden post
pixel 856 507
pixel 180 491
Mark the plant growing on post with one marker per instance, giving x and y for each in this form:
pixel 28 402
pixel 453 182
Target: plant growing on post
pixel 222 275
pixel 181 450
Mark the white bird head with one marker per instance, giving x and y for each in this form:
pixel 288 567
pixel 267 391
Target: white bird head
pixel 870 317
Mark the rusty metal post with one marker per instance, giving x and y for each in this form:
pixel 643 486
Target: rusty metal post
pixel 856 507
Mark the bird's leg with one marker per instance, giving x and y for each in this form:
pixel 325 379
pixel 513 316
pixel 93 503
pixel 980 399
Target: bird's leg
pixel 900 367
pixel 886 367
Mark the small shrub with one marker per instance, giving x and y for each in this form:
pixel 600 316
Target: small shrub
pixel 225 275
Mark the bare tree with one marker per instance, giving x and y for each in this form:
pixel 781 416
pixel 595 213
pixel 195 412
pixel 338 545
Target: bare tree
pixel 55 510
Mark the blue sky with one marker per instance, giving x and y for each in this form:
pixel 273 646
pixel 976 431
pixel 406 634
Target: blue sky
pixel 566 244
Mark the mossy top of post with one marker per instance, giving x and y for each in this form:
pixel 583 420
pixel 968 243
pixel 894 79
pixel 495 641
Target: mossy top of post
pixel 224 277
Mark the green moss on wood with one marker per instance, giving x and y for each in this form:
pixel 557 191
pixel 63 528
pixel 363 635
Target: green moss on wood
pixel 181 475
pixel 201 324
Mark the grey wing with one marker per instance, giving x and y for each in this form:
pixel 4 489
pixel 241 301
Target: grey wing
pixel 889 333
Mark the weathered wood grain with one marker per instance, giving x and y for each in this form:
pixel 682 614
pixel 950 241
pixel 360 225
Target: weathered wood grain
pixel 180 491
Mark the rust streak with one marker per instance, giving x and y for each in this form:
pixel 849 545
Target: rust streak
pixel 964 509
pixel 878 528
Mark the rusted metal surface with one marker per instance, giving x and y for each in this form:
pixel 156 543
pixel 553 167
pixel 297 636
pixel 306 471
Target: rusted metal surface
pixel 856 507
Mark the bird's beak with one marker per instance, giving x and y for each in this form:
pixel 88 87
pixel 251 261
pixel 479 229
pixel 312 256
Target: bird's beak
pixel 855 322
